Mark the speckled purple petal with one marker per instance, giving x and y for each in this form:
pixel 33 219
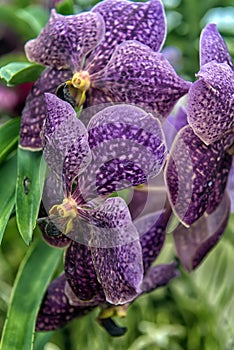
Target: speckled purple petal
pixel 159 276
pixel 34 112
pixel 125 20
pixel 94 99
pixel 136 74
pixel 211 102
pixel 213 47
pixel 119 271
pixel 194 243
pixel 220 183
pixel 127 146
pixel 55 310
pixel 80 272
pixel 152 231
pixel 111 224
pixel 65 141
pixel 191 174
pixel 116 252
pixel 66 40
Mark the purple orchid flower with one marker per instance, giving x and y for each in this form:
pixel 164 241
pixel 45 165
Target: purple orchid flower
pixel 107 55
pixel 213 91
pixel 201 156
pixel 122 146
pixel 77 291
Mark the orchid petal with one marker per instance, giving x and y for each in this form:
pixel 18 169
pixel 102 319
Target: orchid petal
pixel 66 40
pixel 220 183
pixel 213 47
pixel 116 251
pixel 191 175
pixel 80 272
pixel 125 20
pixel 211 102
pixel 136 74
pixel 56 310
pixel 159 276
pixel 152 231
pixel 34 112
pixel 127 147
pixel 65 141
pixel 194 243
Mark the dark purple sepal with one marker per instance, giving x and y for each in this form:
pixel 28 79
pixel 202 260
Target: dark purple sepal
pixel 213 47
pixel 80 272
pixel 55 310
pixel 66 40
pixel 137 75
pixel 34 112
pixel 159 276
pixel 116 252
pixel 120 271
pixel 126 20
pixel 211 102
pixel 220 183
pixel 192 174
pixel 194 243
pixel 65 141
pixel 152 231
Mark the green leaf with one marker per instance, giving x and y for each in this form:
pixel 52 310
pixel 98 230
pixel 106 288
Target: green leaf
pixel 30 180
pixel 31 281
pixel 16 73
pixel 65 7
pixel 35 16
pixel 8 172
pixel 41 338
pixel 9 134
pixel 9 16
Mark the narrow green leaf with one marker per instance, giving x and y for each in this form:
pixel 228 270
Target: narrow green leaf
pixel 16 73
pixel 9 134
pixel 8 172
pixel 31 281
pixel 30 180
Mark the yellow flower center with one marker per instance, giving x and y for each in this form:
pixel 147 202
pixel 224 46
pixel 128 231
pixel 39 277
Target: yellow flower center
pixel 81 80
pixel 78 86
pixel 63 215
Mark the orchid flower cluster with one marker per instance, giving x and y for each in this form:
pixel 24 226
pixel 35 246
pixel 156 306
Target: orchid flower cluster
pixel 105 65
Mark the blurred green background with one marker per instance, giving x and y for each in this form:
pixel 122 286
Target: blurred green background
pixel 196 311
